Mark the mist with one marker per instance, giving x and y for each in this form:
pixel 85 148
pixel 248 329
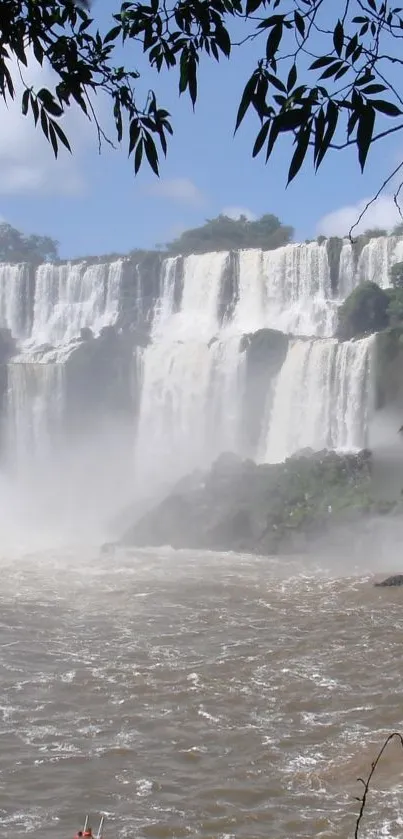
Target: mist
pixel 126 382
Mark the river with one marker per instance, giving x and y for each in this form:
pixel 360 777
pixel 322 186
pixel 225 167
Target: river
pixel 191 694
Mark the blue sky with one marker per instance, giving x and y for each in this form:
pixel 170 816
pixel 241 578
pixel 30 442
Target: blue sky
pixel 94 204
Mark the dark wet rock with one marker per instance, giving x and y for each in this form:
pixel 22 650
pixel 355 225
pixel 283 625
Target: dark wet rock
pixel 242 506
pixel 7 345
pixel 98 374
pixel 86 334
pixel 265 352
pixel 395 580
pixel 108 547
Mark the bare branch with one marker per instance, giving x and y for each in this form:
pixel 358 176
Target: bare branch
pixel 367 783
pixel 374 198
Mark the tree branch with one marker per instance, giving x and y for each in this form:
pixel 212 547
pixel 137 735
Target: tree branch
pixel 374 198
pixel 367 783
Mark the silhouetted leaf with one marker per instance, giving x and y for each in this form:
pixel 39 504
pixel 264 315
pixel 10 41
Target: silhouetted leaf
pixel 352 122
pixel 387 108
pixel 332 70
pixel 61 135
pixel 291 118
pixel 299 23
pixel 373 88
pixel 292 78
pixel 300 152
pixel 342 72
pixel 192 79
pixel 151 153
pixel 364 133
pixel 134 134
pixel 112 34
pixel 261 138
pixel 138 156
pixel 332 115
pixel 25 102
pixel 35 107
pixel 223 40
pixel 53 139
pixel 366 78
pixel 183 79
pixel 277 83
pixel 351 46
pixel 338 37
pixel 252 6
pixel 246 100
pixel 44 123
pixel 273 41
pixel 320 123
pixel 323 61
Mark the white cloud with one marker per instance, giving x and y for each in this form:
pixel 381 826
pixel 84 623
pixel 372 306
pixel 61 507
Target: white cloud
pixel 236 212
pixel 27 162
pixel 382 213
pixel 177 189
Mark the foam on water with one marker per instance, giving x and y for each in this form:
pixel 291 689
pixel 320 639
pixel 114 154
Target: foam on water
pixel 196 705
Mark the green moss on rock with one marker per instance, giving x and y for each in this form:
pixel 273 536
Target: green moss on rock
pixel 263 508
pixel 364 312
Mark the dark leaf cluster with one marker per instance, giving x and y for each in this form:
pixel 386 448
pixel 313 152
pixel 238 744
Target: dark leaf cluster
pixel 322 74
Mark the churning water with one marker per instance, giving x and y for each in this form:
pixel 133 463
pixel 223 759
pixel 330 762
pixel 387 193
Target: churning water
pixel 196 695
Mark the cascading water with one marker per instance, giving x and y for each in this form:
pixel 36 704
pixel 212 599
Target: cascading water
pixel 15 303
pixel 34 411
pixel 286 289
pixel 192 375
pixel 70 297
pixel 322 398
pixel 63 300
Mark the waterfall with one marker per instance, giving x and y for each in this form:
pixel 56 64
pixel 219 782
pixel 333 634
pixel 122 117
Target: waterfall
pixel 322 398
pixel 287 289
pixel 190 374
pixel 73 296
pixel 374 261
pixel 15 299
pixel 200 389
pixel 35 410
pixel 347 278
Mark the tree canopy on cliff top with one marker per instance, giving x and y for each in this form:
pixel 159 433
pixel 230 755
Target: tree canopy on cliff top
pixel 16 247
pixel 225 234
pixel 327 73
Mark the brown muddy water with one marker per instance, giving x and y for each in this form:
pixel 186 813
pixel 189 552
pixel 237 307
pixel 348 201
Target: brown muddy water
pixel 186 694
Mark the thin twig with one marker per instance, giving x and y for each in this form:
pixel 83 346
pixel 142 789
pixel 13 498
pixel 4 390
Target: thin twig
pixel 374 198
pixel 367 783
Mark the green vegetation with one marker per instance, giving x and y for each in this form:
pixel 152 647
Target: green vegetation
pixel 15 247
pixel 295 88
pixel 223 233
pixel 374 233
pixel 371 309
pixel 264 509
pixel 363 312
pixel 396 275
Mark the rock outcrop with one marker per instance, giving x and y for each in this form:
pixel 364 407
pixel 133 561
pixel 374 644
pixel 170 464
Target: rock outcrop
pixel 241 506
pixel 395 580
